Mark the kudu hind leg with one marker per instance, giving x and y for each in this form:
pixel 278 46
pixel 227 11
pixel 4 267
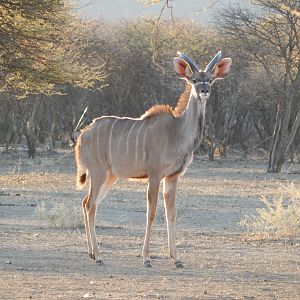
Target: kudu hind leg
pixel 90 206
pixel 100 183
pixel 86 225
pixel 170 184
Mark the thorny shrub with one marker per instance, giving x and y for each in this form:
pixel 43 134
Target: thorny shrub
pixel 64 215
pixel 280 216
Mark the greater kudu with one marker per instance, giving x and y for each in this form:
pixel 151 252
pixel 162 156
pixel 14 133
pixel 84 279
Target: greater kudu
pixel 158 146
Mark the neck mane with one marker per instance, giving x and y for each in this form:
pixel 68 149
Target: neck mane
pixel 167 109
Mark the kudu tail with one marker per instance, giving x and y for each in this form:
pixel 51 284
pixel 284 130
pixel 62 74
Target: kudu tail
pixel 81 168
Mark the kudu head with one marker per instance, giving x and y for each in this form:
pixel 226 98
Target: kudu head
pixel 201 80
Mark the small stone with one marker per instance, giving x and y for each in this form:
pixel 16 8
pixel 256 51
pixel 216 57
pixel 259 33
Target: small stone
pixel 8 262
pixel 147 264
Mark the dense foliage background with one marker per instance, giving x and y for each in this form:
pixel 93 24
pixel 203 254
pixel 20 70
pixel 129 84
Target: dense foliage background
pixel 59 64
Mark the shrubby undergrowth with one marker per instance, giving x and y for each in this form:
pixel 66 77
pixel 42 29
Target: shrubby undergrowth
pixel 279 216
pixel 64 215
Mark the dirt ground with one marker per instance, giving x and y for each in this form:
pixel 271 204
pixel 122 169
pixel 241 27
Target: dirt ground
pixel 38 261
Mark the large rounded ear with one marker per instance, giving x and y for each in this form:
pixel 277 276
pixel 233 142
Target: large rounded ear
pixel 221 69
pixel 182 68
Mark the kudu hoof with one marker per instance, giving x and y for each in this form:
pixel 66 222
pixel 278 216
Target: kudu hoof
pixel 100 263
pixel 178 264
pixel 92 256
pixel 147 264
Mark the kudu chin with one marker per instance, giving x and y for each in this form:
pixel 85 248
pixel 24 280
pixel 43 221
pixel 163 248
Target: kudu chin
pixel 158 146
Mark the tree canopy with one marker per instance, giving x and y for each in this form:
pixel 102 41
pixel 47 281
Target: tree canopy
pixel 41 45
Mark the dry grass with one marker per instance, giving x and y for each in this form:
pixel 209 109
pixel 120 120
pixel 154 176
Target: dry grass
pixel 182 209
pixel 61 215
pixel 280 216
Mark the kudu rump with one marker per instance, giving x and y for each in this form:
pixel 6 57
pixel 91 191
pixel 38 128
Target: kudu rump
pixel 158 146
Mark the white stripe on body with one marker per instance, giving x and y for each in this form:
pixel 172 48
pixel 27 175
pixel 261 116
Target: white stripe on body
pixel 98 143
pixel 109 141
pixel 127 140
pixel 137 141
pixel 144 143
pixel 121 136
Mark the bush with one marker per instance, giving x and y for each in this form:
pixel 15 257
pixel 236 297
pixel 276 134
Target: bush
pixel 64 215
pixel 280 216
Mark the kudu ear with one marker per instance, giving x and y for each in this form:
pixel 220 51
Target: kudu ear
pixel 182 68
pixel 221 69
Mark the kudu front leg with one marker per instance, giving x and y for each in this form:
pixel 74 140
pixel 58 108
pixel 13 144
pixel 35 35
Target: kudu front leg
pixel 170 184
pixel 152 195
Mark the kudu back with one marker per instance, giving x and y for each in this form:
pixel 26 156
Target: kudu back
pixel 158 146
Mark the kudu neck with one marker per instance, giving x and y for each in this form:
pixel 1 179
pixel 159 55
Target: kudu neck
pixel 195 109
pixel 192 122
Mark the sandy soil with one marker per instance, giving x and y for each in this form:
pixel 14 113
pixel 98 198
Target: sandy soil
pixel 38 261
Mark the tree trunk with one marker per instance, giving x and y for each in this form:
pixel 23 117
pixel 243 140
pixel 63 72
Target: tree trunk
pixel 31 143
pixel 31 129
pixel 211 151
pixel 51 140
pixel 282 140
pixel 276 159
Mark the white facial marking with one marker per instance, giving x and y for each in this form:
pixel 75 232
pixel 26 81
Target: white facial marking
pixel 110 140
pixel 204 96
